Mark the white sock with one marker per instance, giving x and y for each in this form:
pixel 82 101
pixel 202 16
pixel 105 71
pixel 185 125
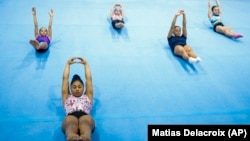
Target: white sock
pixel 198 59
pixel 192 60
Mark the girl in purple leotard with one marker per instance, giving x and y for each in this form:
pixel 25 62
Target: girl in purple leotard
pixel 44 35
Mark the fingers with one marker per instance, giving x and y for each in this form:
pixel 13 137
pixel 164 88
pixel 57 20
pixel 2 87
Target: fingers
pixel 82 60
pixel 33 9
pixel 51 12
pixel 179 12
pixel 182 11
pixel 77 60
pixel 71 60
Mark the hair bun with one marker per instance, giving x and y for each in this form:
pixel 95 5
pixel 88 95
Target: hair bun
pixel 76 77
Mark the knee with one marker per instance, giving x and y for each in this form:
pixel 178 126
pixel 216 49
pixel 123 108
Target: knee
pixel 188 49
pixel 43 45
pixel 118 25
pixel 179 50
pixel 226 29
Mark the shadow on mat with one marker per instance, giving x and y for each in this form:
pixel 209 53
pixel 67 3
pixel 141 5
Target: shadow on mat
pixel 41 59
pixel 118 33
pixel 188 67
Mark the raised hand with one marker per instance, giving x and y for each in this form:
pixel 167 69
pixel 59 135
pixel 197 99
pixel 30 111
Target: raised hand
pixel 33 10
pixel 71 60
pixel 51 13
pixel 182 12
pixel 82 60
pixel 179 12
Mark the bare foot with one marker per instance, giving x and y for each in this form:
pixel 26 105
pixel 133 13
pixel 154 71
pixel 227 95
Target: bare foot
pixel 34 43
pixel 73 137
pixel 84 138
pixel 120 25
pixel 80 139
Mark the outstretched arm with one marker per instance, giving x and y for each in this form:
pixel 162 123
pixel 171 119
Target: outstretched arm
pixel 65 82
pixel 88 77
pixel 184 23
pixel 35 21
pixel 219 6
pixel 173 25
pixel 122 11
pixel 210 13
pixel 112 11
pixel 51 14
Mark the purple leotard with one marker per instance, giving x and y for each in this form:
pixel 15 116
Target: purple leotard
pixel 41 38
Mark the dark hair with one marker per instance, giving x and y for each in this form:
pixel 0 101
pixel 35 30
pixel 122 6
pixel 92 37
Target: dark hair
pixel 42 28
pixel 213 7
pixel 177 26
pixel 76 78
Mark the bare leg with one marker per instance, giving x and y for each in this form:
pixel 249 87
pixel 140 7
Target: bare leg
pixel 35 44
pixel 43 45
pixel 70 128
pixel 224 30
pixel 120 25
pixel 186 53
pixel 189 51
pixel 193 58
pixel 227 31
pixel 86 125
pixel 180 51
